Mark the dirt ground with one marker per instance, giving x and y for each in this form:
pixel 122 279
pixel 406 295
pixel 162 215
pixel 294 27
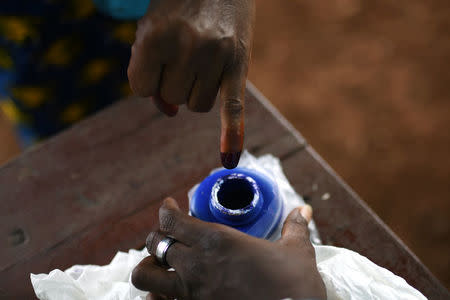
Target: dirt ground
pixel 367 83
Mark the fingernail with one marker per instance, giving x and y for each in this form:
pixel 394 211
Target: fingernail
pixel 230 160
pixel 171 111
pixel 306 212
pixel 169 202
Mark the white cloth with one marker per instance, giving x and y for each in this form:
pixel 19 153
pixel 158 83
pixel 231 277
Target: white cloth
pixel 90 282
pixel 350 276
pixel 347 275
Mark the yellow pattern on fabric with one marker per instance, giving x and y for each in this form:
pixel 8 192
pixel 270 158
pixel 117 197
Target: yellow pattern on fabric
pixel 96 70
pixel 125 32
pixel 10 110
pixel 6 61
pixel 16 29
pixel 31 96
pixel 73 113
pixel 80 9
pixel 62 52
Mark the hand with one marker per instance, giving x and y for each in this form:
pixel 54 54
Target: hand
pixel 185 50
pixel 213 261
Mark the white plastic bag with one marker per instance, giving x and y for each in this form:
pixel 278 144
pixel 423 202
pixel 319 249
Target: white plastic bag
pixel 348 275
pixel 86 282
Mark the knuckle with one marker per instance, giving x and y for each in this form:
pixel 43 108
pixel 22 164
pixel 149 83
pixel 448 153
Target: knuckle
pixel 167 219
pixel 151 242
pixel 144 33
pixel 227 43
pixel 233 106
pixel 210 41
pixel 297 220
pixel 217 239
pixel 301 230
pixel 137 86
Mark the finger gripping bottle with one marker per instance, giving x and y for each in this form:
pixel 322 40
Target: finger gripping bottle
pixel 241 198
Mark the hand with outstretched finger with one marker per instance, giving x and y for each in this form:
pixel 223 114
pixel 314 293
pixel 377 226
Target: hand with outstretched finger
pixel 185 51
pixel 213 261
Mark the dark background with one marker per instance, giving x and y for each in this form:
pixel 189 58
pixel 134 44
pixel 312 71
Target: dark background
pixel 368 84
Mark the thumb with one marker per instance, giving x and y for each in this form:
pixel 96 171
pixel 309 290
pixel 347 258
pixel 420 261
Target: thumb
pixel 295 228
pixel 232 93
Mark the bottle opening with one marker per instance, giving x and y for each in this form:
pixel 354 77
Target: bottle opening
pixel 235 193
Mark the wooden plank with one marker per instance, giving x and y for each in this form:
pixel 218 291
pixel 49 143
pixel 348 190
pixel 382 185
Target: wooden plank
pixel 96 188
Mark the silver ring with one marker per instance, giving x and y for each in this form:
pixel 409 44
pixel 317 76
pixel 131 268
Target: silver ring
pixel 161 249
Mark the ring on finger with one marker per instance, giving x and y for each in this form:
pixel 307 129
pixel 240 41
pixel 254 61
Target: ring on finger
pixel 162 248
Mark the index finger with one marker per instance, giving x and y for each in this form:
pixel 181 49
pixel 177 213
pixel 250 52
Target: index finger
pixel 232 93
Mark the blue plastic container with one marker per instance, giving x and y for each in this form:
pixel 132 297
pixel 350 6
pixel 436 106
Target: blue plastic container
pixel 241 198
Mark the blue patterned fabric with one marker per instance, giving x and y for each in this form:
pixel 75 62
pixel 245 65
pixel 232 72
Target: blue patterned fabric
pixel 123 9
pixel 61 60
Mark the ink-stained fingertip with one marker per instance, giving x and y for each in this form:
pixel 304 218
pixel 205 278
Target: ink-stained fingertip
pixel 230 160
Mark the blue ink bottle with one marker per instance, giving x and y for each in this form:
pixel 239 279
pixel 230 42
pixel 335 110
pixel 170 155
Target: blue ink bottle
pixel 241 198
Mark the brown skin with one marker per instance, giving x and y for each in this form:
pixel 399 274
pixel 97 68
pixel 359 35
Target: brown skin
pixel 213 261
pixel 186 50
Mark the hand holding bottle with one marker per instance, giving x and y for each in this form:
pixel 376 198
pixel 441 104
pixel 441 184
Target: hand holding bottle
pixel 213 261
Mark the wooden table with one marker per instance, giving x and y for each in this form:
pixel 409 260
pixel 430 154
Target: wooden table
pixel 96 188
